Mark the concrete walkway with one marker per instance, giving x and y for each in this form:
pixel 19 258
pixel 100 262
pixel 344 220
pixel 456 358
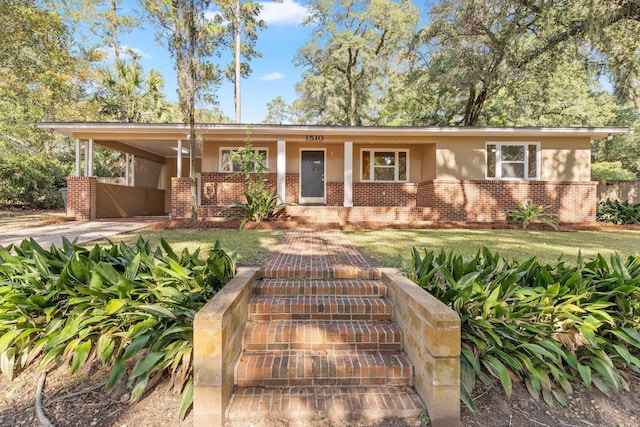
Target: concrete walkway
pixel 84 231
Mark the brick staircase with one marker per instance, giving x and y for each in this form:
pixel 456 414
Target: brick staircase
pixel 320 345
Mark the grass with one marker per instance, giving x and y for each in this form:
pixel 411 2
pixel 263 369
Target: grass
pixel 384 247
pixel 253 246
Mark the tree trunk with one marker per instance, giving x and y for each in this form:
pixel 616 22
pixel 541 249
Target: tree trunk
pixel 237 50
pixel 192 107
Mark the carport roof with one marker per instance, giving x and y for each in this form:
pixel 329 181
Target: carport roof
pixel 161 139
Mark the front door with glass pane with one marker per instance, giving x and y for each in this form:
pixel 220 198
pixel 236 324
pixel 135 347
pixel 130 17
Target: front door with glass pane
pixel 312 185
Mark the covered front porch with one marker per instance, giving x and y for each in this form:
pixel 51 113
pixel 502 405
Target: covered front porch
pixel 338 174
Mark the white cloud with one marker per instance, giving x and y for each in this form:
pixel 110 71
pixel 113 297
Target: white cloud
pixel 127 51
pixel 289 12
pixel 271 77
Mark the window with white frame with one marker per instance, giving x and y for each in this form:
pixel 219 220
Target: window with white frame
pixel 513 160
pixel 384 165
pixel 228 165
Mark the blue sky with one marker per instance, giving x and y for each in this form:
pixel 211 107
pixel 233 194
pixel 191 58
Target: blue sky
pixel 273 75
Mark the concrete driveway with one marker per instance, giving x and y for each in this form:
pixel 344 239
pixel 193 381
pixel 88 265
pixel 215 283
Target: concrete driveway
pixel 84 231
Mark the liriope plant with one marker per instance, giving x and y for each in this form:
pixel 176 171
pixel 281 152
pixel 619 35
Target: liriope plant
pixel 548 325
pixel 129 307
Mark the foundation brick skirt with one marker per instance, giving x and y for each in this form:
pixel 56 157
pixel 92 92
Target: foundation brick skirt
pixel 428 201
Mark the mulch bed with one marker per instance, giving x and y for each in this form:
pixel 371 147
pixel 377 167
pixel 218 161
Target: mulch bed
pixel 287 224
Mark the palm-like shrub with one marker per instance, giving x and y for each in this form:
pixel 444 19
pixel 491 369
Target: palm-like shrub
pixel 528 213
pixel 130 307
pixel 547 325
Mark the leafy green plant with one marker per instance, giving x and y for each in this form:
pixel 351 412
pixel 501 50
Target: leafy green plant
pixel 618 212
pixel 612 171
pixel 528 213
pixel 547 325
pixel 261 203
pixel 127 306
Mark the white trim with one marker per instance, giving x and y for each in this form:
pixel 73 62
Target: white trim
pixel 348 174
pixel 86 158
pixel 498 162
pixel 255 149
pixel 281 171
pixel 89 161
pixel 179 160
pixel 396 166
pixel 314 200
pixel 126 169
pixel 132 159
pixel 78 157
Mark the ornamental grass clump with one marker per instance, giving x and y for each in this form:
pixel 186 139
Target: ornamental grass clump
pixel 129 307
pixel 547 325
pixel 529 213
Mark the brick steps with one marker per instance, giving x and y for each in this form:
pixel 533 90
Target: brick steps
pixel 322 335
pixel 319 308
pixel 332 368
pixel 322 348
pixel 336 403
pixel 292 287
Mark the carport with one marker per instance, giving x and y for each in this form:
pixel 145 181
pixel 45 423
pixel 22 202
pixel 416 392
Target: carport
pixel 151 158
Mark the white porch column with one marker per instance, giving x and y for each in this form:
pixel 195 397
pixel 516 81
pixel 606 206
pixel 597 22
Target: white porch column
pixel 133 170
pixel 126 169
pixel 348 174
pixel 90 157
pixel 179 160
pixel 78 157
pixel 86 158
pixel 282 172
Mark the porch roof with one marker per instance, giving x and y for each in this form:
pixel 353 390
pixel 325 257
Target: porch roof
pixel 160 139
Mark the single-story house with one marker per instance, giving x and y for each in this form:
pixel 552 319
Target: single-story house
pixel 348 174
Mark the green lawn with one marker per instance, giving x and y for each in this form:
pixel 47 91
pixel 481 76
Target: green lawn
pixel 384 247
pixel 253 246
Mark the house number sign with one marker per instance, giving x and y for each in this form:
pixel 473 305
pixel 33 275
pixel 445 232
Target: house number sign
pixel 315 138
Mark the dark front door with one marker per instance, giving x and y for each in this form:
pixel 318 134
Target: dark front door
pixel 312 176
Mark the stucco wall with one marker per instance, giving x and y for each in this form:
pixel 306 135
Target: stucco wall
pixel 562 159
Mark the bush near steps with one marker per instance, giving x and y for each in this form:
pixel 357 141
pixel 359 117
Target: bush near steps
pixel 547 325
pixel 130 307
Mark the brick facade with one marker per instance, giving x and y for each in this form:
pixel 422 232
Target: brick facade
pixel 439 200
pixel 81 197
pixel 384 194
pixel 487 200
pixel 181 197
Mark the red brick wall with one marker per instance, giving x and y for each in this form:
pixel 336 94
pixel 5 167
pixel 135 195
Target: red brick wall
pixel 292 188
pixel 478 200
pixel 384 194
pixel 181 197
pixel 227 188
pixel 81 197
pixel 335 193
pixel 487 200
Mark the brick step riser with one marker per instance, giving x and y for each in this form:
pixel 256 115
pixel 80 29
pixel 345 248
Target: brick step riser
pixel 372 404
pixel 320 274
pixel 318 336
pixel 324 382
pixel 319 308
pixel 270 287
pixel 296 369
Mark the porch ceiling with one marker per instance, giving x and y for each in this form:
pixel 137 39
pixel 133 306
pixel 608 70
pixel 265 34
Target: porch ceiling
pixel 161 139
